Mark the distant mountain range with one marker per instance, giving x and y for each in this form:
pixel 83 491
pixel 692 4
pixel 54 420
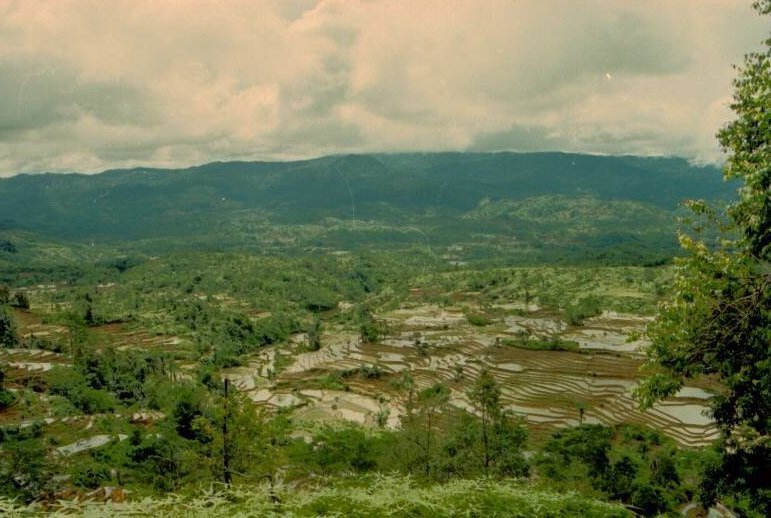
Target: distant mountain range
pixel 474 203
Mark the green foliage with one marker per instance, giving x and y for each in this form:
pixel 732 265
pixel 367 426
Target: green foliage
pixel 718 322
pixel 317 299
pixel 370 330
pixel 464 445
pixel 25 466
pixel 434 444
pixel 209 310
pixel 371 371
pixel 228 337
pixel 420 428
pixel 313 334
pixel 649 500
pixel 99 382
pixel 627 463
pixel 73 384
pixel 7 246
pixel 7 398
pixel 8 333
pixel 586 445
pixel 376 495
pixel 20 300
pixel 187 408
pixel 476 319
pixel 403 201
pixel 215 434
pixel 340 450
pixel 554 344
pixel 91 476
pixel 159 460
pixel 399 497
pixel 586 307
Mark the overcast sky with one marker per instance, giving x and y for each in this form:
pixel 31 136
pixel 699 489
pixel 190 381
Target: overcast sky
pixel 90 85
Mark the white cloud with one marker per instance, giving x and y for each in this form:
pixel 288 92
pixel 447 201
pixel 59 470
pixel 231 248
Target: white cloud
pixel 94 85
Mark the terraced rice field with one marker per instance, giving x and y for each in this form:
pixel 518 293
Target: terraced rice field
pixel 549 388
pixel 350 380
pixel 123 337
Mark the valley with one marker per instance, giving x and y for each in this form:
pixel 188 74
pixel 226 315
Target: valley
pixel 244 340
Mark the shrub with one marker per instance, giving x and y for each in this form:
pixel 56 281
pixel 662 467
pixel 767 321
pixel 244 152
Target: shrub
pixel 8 336
pixel 554 344
pixel 6 398
pixel 91 476
pixel 587 307
pixel 371 371
pixel 476 319
pixel 93 401
pixel 20 300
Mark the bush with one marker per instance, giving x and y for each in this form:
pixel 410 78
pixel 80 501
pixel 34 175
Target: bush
pixel 587 307
pixel 475 319
pixel 6 398
pixel 371 371
pixel 20 300
pixel 554 344
pixel 93 401
pixel 68 382
pixel 369 332
pixel 187 408
pixel 650 500
pixel 8 336
pixel 91 476
pixel 578 452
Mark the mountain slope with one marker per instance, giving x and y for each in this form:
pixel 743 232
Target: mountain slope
pixel 381 197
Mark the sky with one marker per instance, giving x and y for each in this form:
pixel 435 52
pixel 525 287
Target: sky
pixel 89 85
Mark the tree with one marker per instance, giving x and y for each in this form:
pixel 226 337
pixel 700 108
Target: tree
pixel 8 334
pixel 718 322
pixel 6 396
pixel 314 334
pixel 370 330
pixel 486 398
pixel 419 425
pixel 20 300
pixel 502 436
pixel 26 466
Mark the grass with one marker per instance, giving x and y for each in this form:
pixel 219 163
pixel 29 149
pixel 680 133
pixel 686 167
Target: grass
pixel 374 495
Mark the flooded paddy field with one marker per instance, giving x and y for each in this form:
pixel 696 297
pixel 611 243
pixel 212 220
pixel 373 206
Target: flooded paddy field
pixel 365 382
pixel 552 372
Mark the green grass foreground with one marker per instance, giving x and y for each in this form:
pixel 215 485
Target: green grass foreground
pixel 379 495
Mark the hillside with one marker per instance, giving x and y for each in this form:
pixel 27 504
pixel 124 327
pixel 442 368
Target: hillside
pixel 298 323
pixel 525 207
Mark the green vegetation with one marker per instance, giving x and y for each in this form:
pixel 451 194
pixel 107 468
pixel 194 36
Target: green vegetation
pixel 501 208
pixel 718 322
pixel 8 335
pixel 636 466
pixel 171 425
pixel 303 363
pixel 587 307
pixel 140 348
pixel 553 344
pixel 368 496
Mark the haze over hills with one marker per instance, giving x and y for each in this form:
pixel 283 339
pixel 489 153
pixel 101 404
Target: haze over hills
pixel 506 203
